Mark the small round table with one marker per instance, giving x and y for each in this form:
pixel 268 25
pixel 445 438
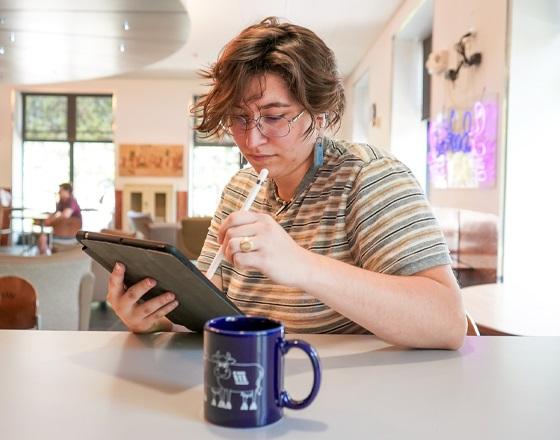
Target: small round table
pixel 520 309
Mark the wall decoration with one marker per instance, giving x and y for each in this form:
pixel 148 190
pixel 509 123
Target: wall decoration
pixel 462 147
pixel 150 160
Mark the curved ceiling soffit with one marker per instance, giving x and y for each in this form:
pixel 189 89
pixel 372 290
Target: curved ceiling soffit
pixel 46 41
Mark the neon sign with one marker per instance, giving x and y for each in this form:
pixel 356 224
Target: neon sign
pixel 462 147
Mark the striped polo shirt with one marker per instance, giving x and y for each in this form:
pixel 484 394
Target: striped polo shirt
pixel 362 207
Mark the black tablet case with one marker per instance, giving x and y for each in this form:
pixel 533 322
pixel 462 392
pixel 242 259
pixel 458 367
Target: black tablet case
pixel 199 300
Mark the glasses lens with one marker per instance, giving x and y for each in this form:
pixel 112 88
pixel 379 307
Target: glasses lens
pixel 274 126
pixel 236 123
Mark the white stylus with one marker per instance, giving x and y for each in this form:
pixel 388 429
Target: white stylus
pixel 246 206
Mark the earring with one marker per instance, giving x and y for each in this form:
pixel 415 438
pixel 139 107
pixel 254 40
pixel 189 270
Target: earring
pixel 318 152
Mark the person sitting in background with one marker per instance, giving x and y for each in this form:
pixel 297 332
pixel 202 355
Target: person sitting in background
pixel 65 221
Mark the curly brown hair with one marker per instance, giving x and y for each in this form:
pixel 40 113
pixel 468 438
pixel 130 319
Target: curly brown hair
pixel 295 53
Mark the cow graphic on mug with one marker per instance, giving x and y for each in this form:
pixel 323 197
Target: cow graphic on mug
pixel 230 378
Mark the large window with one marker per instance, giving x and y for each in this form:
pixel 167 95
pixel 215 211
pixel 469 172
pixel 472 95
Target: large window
pixel 213 162
pixel 69 138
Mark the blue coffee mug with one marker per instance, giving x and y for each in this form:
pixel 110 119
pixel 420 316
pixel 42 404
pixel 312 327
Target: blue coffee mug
pixel 244 371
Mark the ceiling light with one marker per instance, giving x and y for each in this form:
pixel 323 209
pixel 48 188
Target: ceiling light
pixel 121 47
pixel 12 37
pixel 126 27
pixel 2 50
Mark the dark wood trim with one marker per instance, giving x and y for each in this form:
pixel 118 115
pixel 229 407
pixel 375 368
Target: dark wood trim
pixel 118 208
pixel 182 204
pixel 5 222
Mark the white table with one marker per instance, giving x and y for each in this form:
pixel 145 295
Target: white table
pixel 529 309
pixel 116 385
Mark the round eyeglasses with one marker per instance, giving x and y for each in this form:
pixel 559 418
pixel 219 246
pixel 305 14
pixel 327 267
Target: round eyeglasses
pixel 269 126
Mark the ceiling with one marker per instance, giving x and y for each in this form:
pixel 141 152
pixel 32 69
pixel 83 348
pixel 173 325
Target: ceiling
pixel 45 41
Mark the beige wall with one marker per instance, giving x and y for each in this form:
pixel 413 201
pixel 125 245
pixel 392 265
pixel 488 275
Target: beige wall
pixel 147 111
pixel 5 138
pixel 378 62
pixel 451 19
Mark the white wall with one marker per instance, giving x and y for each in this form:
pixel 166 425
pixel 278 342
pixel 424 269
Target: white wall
pixel 378 61
pixel 5 138
pixel 147 111
pixel 408 131
pixel 531 240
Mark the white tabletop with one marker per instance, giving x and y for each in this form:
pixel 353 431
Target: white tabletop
pixel 529 309
pixel 116 385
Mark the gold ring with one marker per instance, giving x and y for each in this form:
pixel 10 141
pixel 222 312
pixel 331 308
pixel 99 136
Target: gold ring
pixel 246 244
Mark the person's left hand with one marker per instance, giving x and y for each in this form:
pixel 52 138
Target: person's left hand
pixel 273 252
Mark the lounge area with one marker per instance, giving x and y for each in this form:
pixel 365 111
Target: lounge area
pixel 410 162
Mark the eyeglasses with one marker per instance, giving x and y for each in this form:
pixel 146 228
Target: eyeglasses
pixel 269 126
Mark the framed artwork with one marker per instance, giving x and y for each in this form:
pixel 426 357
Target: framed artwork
pixel 151 160
pixel 203 140
pixel 462 146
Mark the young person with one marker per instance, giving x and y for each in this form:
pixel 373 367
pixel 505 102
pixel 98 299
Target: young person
pixel 340 238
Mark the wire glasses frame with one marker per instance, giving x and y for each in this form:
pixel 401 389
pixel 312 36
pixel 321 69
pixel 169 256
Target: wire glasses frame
pixel 269 126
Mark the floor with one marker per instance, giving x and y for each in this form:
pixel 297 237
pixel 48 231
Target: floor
pixel 103 318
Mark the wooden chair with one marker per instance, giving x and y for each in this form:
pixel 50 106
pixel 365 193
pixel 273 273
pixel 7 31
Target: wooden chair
pixel 472 328
pixel 144 227
pixel 18 304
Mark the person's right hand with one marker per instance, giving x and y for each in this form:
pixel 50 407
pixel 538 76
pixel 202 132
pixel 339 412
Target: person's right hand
pixel 146 317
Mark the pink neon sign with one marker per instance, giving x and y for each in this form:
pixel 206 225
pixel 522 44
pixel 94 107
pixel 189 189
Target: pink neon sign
pixel 462 147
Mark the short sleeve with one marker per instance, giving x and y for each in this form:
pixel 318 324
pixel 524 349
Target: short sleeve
pixel 390 226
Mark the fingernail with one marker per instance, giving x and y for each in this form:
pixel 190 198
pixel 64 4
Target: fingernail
pixel 118 266
pixel 171 296
pixel 151 282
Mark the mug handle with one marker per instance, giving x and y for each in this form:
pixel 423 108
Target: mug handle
pixel 285 399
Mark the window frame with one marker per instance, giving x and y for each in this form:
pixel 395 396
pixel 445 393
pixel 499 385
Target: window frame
pixel 71 121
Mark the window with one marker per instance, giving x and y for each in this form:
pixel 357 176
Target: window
pixel 213 162
pixel 69 138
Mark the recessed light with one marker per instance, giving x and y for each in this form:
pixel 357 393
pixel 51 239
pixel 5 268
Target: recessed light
pixel 126 26
pixel 2 50
pixel 121 47
pixel 13 37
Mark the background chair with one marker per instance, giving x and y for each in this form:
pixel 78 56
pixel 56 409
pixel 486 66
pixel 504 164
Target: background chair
pixel 18 304
pixel 472 328
pixel 63 282
pixel 192 235
pixel 5 217
pixel 144 227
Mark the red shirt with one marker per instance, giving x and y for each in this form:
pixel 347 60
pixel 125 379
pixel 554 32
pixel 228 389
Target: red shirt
pixel 70 203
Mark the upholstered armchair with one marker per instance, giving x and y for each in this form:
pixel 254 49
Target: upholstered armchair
pixel 63 282
pixel 192 235
pixel 144 227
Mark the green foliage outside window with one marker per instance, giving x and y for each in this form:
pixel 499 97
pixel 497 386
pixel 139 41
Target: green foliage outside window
pixel 94 118
pixel 46 117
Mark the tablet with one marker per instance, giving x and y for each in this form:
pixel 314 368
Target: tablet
pixel 199 300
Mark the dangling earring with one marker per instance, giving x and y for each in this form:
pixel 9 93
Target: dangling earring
pixel 318 149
